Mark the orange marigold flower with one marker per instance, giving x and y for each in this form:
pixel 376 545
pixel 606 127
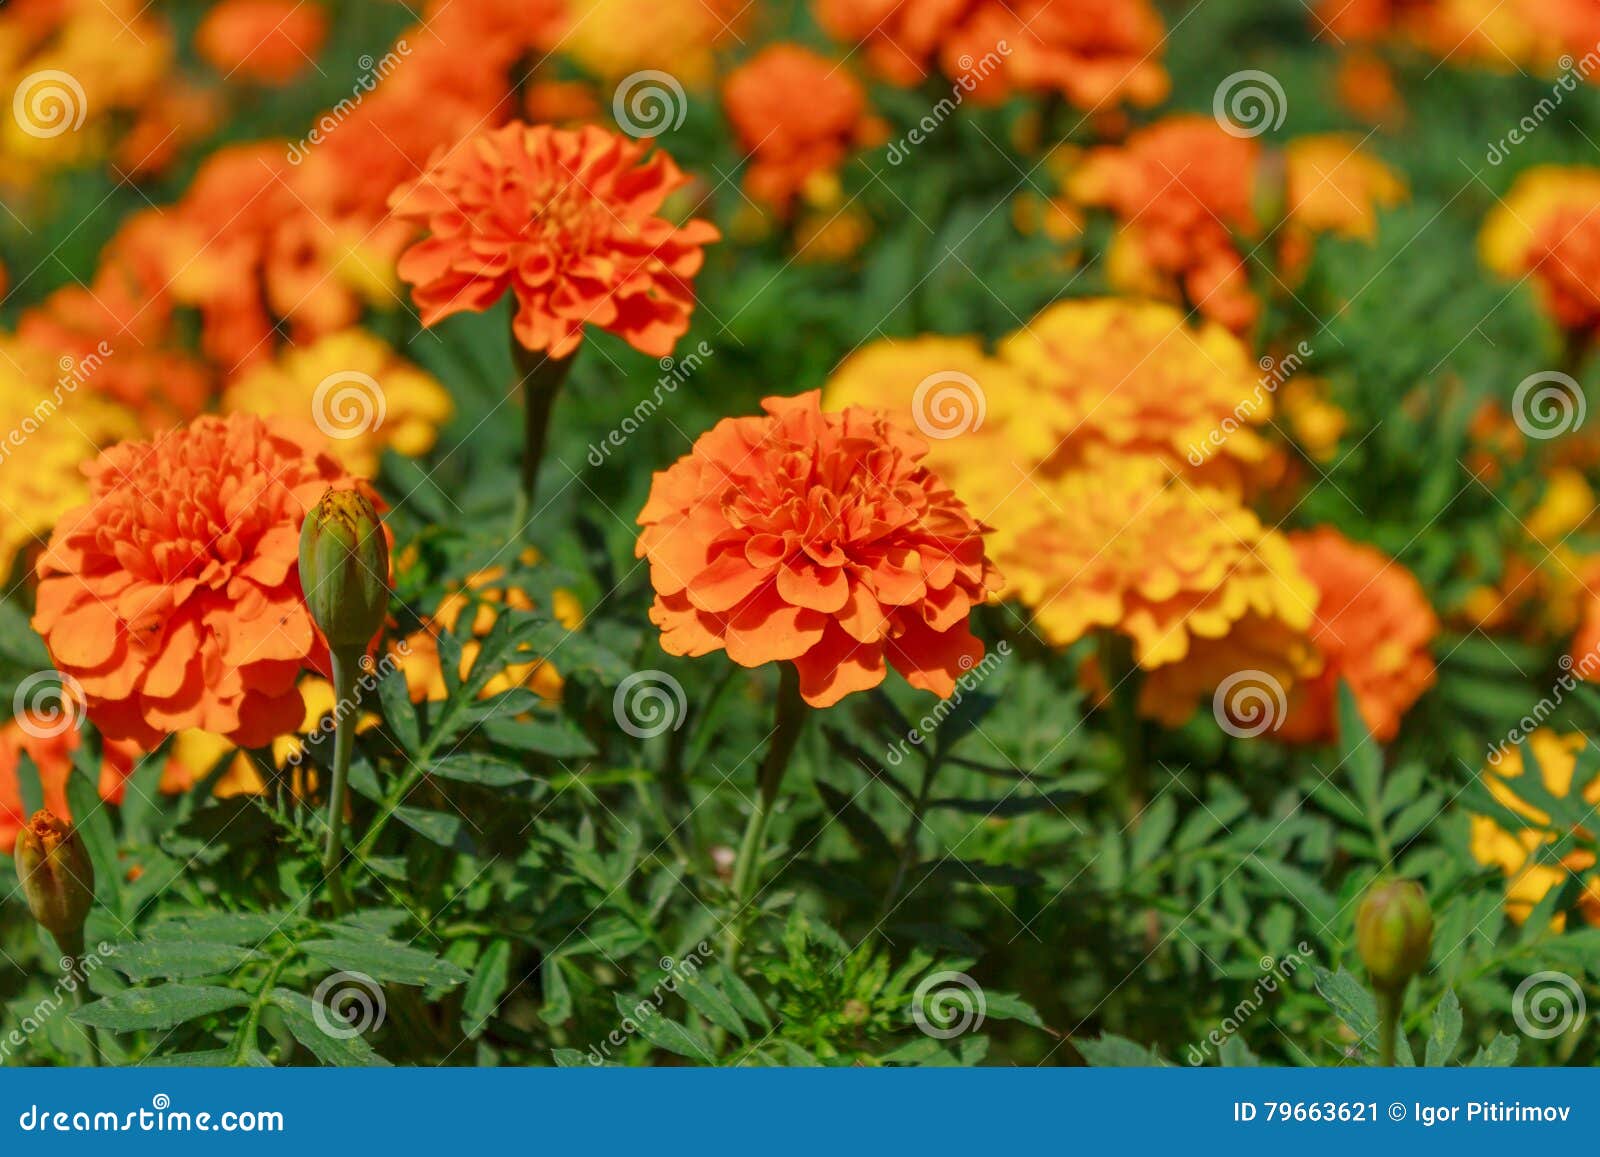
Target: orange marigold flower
pixel 1549 225
pixel 799 114
pixel 1373 628
pixel 819 539
pixel 49 741
pixel 1123 544
pixel 1181 189
pixel 566 220
pixel 1093 53
pixel 1517 853
pixel 270 41
pixel 353 389
pixel 172 595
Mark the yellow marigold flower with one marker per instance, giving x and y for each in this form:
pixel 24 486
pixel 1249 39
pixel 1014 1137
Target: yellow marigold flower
pixel 1332 186
pixel 1125 545
pixel 194 753
pixel 50 425
pixel 1132 376
pixel 615 38
pixel 1516 853
pixel 356 391
pixel 1317 423
pixel 485 596
pixel 986 426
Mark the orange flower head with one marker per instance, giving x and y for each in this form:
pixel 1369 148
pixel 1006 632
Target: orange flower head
pixel 1180 189
pixel 564 219
pixel 1333 186
pixel 799 114
pixel 1549 226
pixel 1373 628
pixel 1516 852
pixel 172 597
pixel 270 41
pixel 1093 53
pixel 820 539
pixel 907 40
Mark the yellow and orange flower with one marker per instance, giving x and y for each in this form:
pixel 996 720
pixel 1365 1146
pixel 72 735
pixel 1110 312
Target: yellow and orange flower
pixel 172 595
pixel 1124 545
pixel 353 389
pixel 485 594
pixel 799 115
pixel 1517 853
pixel 1373 629
pixel 1333 186
pixel 1548 225
pixel 270 41
pixel 819 539
pixel 49 427
pixel 1181 190
pixel 614 39
pixel 565 220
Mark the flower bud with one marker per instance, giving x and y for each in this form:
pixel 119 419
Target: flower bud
pixel 57 877
pixel 344 569
pixel 1394 933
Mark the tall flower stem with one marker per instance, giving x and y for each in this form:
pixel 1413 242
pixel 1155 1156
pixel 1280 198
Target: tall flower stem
pixel 72 953
pixel 791 718
pixel 1389 1004
pixel 542 377
pixel 345 665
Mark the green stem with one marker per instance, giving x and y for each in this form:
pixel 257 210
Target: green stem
pixel 908 846
pixel 1390 1001
pixel 541 377
pixel 72 951
pixel 791 717
pixel 249 1030
pixel 344 737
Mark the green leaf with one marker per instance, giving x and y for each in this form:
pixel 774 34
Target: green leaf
pixel 91 817
pixel 1155 824
pixel 1009 1006
pixel 305 1019
pixel 480 769
pixel 438 827
pixel 557 1005
pixel 178 959
pixel 1115 1052
pixel 398 713
pixel 161 1007
pixel 743 998
pixel 487 986
pixel 557 737
pixel 711 1004
pixel 1446 1031
pixel 384 960
pixel 235 928
pixel 663 1031
pixel 1500 1053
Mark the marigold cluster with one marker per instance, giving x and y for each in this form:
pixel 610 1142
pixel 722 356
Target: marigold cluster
pixel 819 539
pixel 1548 226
